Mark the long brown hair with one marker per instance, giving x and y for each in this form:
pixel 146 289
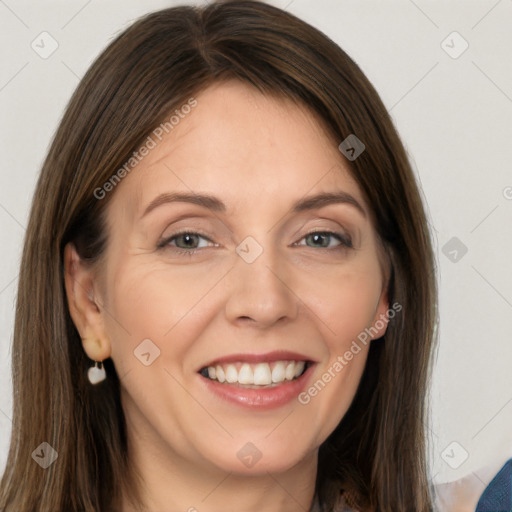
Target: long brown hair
pixel 378 450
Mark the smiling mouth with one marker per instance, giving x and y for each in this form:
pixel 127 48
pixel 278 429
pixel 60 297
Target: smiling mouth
pixel 256 376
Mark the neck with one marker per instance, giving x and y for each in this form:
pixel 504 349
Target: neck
pixel 172 483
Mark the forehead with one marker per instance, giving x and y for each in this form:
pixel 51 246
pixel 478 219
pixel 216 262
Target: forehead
pixel 244 146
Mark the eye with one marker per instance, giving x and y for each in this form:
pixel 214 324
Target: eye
pixel 185 242
pixel 189 242
pixel 325 239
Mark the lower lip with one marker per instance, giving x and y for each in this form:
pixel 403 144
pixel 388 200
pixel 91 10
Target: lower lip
pixel 261 399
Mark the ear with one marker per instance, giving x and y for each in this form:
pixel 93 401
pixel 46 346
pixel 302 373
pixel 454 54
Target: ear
pixel 85 306
pixel 381 317
pixel 382 312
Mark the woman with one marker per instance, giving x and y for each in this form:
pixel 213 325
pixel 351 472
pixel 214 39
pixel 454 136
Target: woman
pixel 227 293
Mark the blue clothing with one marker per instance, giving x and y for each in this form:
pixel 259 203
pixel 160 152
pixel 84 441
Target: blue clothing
pixel 497 496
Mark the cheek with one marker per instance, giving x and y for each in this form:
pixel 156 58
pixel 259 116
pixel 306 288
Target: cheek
pixel 346 308
pixel 344 300
pixel 149 301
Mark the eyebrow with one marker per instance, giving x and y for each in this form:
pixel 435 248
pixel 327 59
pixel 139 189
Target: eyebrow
pixel 213 203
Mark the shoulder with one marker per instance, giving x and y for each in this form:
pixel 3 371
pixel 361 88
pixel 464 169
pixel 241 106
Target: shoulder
pixel 498 494
pixel 477 493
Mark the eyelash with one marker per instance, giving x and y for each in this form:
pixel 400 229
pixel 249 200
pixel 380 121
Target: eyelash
pixel 345 241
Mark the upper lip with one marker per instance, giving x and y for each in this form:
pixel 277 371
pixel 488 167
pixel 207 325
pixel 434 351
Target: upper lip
pixel 268 357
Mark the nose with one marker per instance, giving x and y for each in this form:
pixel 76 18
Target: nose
pixel 261 293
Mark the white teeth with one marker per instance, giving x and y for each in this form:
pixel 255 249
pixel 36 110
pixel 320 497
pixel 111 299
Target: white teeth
pixel 290 371
pixel 231 374
pixel 219 373
pixel 245 376
pixel 261 374
pixel 278 373
pixel 299 367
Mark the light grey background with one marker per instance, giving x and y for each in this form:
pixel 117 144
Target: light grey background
pixel 454 115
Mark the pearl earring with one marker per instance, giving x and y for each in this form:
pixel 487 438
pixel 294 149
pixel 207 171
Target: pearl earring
pixel 96 373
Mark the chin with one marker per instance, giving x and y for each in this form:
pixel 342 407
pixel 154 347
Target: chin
pixel 261 458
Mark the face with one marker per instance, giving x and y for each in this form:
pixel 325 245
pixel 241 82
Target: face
pixel 255 281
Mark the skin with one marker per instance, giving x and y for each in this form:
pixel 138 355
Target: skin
pixel 237 145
